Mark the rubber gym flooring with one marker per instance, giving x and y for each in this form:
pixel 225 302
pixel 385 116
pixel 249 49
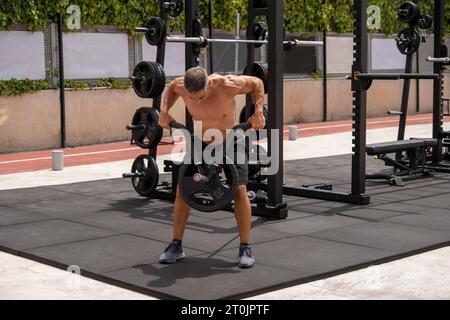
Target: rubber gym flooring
pixel 115 236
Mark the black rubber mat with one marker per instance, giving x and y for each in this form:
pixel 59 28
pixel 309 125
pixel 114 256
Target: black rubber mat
pixel 115 236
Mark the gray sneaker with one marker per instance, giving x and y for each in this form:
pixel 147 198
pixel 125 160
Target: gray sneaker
pixel 246 259
pixel 172 253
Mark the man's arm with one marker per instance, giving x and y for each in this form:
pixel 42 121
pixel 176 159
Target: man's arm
pixel 170 99
pixel 248 84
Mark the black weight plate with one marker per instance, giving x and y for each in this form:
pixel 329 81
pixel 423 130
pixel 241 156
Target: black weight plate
pixel 152 134
pixel 148 78
pixel 243 119
pixel 261 71
pixel 212 196
pixel 425 22
pixel 160 80
pixel 408 41
pixel 175 8
pixel 146 184
pixel 408 12
pixel 444 51
pixel 259 33
pixel 154 131
pixel 156 31
pixel 197 28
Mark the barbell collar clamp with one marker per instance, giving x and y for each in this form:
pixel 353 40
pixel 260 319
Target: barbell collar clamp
pixel 200 178
pixel 439 60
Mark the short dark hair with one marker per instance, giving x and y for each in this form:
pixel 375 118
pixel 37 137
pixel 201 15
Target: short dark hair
pixel 196 79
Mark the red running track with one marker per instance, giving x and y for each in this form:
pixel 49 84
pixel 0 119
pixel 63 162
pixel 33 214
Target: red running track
pixel 41 160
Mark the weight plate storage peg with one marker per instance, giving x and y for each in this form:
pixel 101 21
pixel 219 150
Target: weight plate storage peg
pixel 408 41
pixel 208 188
pixel 145 175
pixel 156 31
pixel 149 79
pixel 145 130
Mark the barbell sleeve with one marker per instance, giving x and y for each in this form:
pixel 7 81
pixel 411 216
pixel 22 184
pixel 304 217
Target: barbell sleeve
pixel 439 60
pixel 141 29
pixel 304 43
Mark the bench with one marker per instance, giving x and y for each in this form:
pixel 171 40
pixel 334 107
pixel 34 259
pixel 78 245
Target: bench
pixel 410 160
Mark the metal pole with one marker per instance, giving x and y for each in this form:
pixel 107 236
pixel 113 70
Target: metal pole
pixel 210 47
pixel 417 82
pixel 275 97
pixel 325 71
pixel 405 101
pixel 237 37
pixel 360 57
pixel 437 83
pixel 61 82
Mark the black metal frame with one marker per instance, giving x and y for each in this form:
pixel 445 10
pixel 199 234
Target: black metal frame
pixel 361 82
pixel 274 207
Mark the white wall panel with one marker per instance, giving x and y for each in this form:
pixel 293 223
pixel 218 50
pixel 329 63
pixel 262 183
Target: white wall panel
pixel 22 55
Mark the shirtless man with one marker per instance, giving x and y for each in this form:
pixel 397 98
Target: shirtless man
pixel 211 101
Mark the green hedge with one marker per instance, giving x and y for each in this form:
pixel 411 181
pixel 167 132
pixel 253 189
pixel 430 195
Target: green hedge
pixel 14 87
pixel 300 15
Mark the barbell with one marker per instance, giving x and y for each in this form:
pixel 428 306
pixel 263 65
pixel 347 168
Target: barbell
pixel 203 41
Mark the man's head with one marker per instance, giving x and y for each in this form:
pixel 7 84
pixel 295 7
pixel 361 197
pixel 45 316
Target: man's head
pixel 196 83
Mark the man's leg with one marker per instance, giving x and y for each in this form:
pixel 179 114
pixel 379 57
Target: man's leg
pixel 181 212
pixel 243 213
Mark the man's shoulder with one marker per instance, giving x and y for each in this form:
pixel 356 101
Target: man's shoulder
pixel 225 80
pixel 178 84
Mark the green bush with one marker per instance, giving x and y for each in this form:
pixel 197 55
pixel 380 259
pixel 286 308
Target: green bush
pixel 76 85
pixel 16 87
pixel 300 15
pixel 114 83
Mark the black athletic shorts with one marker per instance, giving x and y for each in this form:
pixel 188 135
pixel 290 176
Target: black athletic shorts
pixel 242 168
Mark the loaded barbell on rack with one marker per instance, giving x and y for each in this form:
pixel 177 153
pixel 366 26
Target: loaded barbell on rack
pixel 155 35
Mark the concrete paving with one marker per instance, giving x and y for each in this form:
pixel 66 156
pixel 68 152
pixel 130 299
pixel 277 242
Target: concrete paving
pixel 424 276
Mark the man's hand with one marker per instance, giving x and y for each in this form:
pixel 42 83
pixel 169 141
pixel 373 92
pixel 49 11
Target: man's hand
pixel 165 119
pixel 257 120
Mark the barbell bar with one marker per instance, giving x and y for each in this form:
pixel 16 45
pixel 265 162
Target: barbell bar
pixel 204 41
pixel 444 60
pixel 394 76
